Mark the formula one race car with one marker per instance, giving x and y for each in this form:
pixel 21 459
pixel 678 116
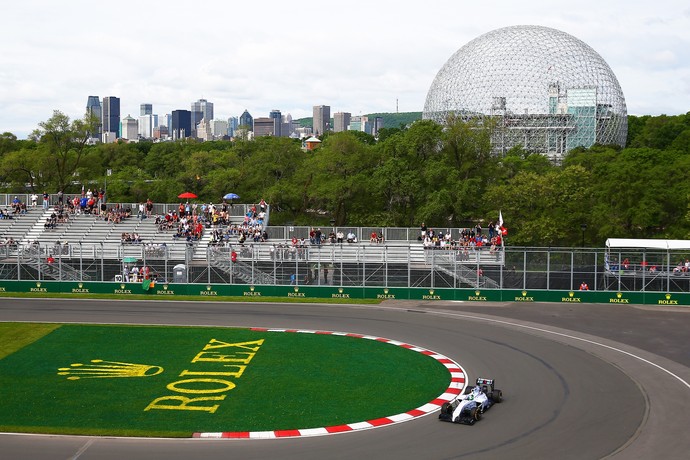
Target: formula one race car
pixel 469 407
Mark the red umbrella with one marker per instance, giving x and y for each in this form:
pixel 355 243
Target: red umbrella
pixel 187 195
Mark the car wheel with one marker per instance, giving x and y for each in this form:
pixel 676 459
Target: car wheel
pixel 476 414
pixel 468 389
pixel 497 396
pixel 446 408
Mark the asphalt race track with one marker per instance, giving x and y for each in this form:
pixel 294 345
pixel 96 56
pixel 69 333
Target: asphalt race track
pixel 579 381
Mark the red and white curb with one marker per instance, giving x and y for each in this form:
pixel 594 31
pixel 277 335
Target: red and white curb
pixel 457 384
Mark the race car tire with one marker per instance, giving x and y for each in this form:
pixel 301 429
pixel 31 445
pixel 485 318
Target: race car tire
pixel 476 414
pixel 446 408
pixel 468 389
pixel 496 396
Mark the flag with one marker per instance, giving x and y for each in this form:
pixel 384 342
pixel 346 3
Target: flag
pixel 501 228
pixel 146 284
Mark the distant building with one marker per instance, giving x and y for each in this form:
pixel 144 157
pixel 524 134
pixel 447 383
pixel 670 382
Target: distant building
pixel 93 108
pixel 147 123
pixel 378 124
pixel 360 123
pixel 321 119
pixel 264 126
pixel 201 109
pixel 130 129
pixel 287 128
pixel 160 133
pixel 303 131
pixel 341 121
pixel 219 128
pixel 246 121
pixel 181 124
pixel 233 123
pixel 145 109
pixel 203 130
pixel 277 122
pixel 111 116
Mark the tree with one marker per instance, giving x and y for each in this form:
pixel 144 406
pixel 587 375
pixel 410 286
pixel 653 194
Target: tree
pixel 65 144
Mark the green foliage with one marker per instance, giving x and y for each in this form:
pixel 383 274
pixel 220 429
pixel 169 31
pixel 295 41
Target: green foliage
pixel 414 172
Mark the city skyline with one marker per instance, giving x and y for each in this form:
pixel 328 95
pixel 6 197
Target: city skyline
pixel 382 58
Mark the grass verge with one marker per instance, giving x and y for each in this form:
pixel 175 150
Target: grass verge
pixel 174 381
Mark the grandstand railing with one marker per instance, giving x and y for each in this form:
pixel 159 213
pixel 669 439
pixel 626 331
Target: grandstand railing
pixel 359 264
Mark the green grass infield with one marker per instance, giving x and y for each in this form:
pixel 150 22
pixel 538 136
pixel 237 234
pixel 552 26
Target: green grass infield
pixel 175 381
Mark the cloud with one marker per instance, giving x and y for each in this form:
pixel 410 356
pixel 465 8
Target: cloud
pixel 358 57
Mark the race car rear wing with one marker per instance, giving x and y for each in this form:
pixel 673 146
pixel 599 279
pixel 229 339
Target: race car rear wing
pixel 481 381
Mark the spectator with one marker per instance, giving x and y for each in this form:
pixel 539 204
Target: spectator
pixel 46 200
pixel 584 287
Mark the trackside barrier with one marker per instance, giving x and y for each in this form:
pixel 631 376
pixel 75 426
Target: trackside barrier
pixel 170 290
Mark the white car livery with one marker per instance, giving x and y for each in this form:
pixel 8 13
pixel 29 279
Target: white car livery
pixel 469 407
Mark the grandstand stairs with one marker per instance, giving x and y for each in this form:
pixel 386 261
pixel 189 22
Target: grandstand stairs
pixel 24 228
pixel 201 246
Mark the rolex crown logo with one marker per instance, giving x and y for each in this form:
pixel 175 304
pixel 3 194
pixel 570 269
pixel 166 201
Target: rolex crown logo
pixel 38 284
pixel 524 293
pixel 571 294
pixel 165 287
pixel 296 289
pixel 668 296
pixel 81 285
pixel 619 294
pixel 122 286
pixel 208 287
pixel 251 288
pixel 385 291
pixel 477 292
pixel 340 290
pixel 431 292
pixel 99 369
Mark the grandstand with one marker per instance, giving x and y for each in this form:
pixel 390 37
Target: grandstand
pixel 84 246
pixel 647 264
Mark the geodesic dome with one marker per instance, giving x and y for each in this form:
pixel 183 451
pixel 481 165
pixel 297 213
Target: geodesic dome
pixel 540 88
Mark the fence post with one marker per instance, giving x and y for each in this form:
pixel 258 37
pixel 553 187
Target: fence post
pixel 524 269
pixel 38 261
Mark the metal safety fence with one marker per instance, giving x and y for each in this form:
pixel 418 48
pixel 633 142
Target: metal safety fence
pixel 352 264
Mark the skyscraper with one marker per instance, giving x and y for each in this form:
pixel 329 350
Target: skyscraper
pixel 341 120
pixel 277 122
pixel 233 123
pixel 111 115
pixel 93 108
pixel 201 109
pixel 145 109
pixel 247 121
pixel 130 130
pixel 322 119
pixel 181 124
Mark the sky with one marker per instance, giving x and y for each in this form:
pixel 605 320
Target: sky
pixel 357 56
